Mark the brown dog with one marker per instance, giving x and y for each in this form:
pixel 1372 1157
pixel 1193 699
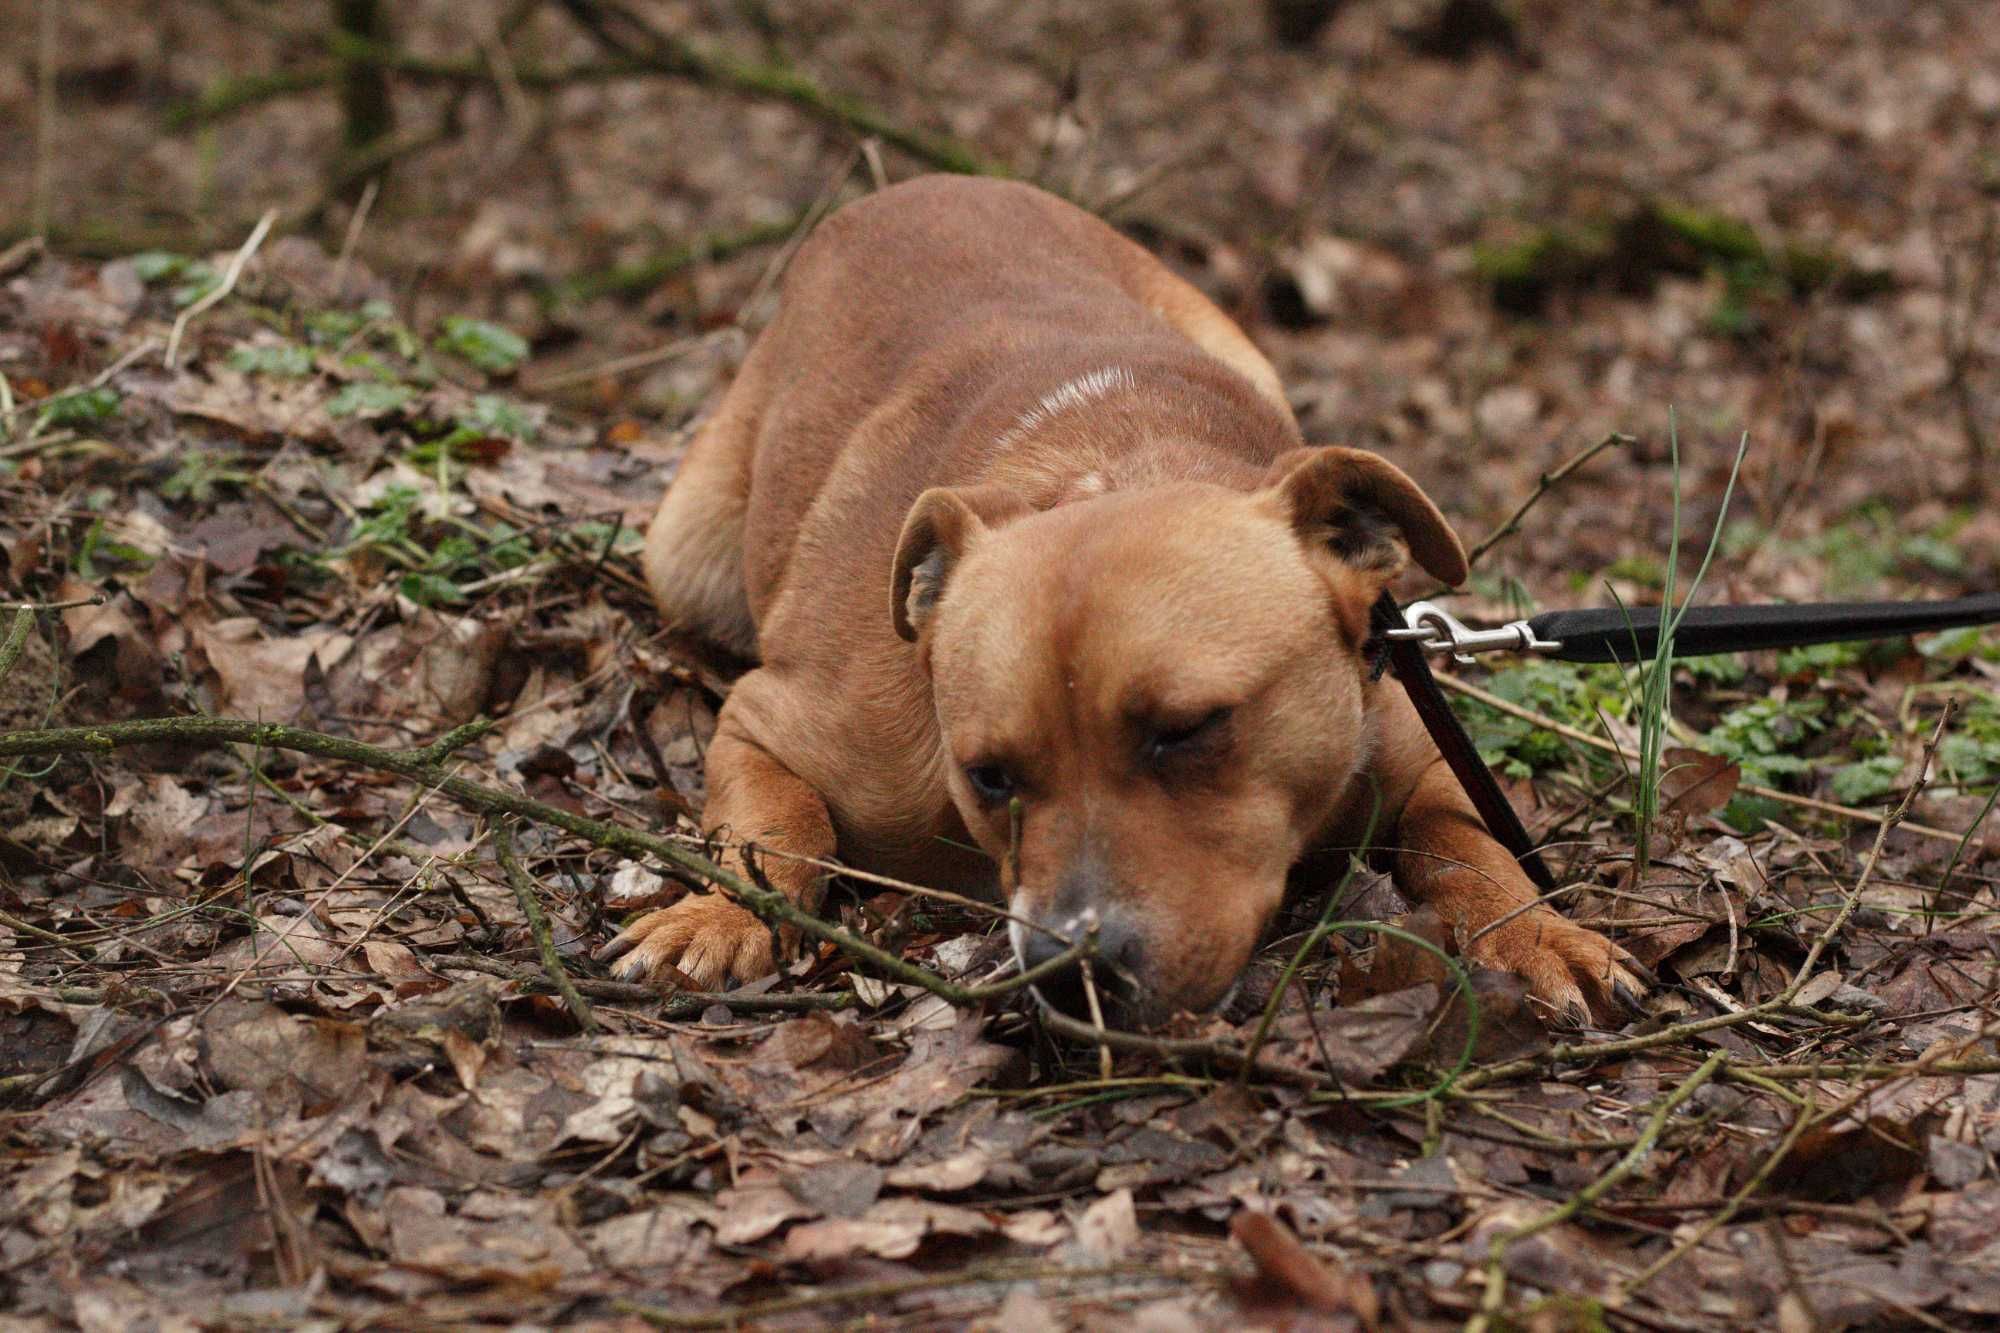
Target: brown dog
pixel 1007 511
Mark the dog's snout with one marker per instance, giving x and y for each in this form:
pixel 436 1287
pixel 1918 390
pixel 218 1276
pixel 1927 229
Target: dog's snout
pixel 1113 964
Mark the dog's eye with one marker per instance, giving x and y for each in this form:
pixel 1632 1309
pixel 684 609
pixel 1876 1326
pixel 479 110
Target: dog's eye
pixel 991 783
pixel 1178 738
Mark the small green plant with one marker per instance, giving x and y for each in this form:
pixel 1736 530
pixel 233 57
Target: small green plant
pixel 1866 779
pixel 1564 691
pixel 472 435
pixel 491 414
pixel 1761 737
pixel 1958 645
pixel 1655 700
pixel 196 277
pixel 280 360
pixel 1869 546
pixel 330 328
pixel 1643 570
pixel 98 547
pixel 1715 668
pixel 1970 755
pixel 1819 659
pixel 201 473
pixel 436 558
pixel 369 398
pixel 79 407
pixel 488 346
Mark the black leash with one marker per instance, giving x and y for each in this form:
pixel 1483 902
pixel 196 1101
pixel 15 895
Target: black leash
pixel 1405 655
pixel 1403 638
pixel 1614 634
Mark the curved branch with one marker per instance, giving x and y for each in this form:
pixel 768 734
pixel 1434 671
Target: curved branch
pixel 626 34
pixel 425 765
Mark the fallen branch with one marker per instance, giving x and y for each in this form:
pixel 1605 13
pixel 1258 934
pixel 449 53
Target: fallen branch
pixel 226 97
pixel 675 1005
pixel 638 50
pixel 424 765
pixel 709 247
pixel 626 34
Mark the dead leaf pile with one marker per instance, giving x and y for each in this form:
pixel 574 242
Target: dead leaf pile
pixel 277 1043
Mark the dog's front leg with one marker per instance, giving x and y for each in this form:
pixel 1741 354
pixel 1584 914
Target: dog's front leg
pixel 766 816
pixel 1446 858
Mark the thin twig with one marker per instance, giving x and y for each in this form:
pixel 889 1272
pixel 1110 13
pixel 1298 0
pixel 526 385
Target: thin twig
pixel 677 1005
pixel 1547 482
pixel 709 247
pixel 618 365
pixel 1588 1196
pixel 221 289
pixel 70 604
pixel 1853 899
pixel 538 926
pixel 353 236
pixel 1105 1067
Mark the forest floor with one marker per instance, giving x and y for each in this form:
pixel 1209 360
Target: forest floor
pixel 282 1042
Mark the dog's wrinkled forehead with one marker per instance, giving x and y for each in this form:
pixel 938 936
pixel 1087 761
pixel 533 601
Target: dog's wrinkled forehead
pixel 1129 599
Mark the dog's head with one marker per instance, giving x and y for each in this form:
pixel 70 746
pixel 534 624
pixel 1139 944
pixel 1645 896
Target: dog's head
pixel 1151 700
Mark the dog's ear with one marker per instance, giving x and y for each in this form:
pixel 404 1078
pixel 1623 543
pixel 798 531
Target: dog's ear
pixel 1363 507
pixel 943 524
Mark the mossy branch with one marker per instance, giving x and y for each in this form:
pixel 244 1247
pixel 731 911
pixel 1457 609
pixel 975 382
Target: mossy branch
pixel 639 51
pixel 645 274
pixel 16 641
pixel 626 34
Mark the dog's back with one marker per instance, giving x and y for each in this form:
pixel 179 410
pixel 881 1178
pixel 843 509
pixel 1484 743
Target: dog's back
pixel 922 321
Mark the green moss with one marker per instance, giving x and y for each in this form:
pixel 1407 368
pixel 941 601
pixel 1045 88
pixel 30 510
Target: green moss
pixel 1634 250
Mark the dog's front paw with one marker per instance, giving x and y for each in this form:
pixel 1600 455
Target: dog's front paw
pixel 1571 970
pixel 706 936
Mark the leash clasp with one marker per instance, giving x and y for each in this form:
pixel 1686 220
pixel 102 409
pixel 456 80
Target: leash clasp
pixel 1436 630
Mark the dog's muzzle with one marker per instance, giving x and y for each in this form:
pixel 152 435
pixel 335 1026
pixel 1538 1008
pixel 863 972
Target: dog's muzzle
pixel 1111 969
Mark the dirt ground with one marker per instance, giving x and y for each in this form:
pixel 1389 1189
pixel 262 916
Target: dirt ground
pixel 281 1041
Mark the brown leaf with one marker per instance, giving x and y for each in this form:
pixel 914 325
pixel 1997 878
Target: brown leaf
pixel 891 1229
pixel 1285 1266
pixel 258 677
pixel 1508 1027
pixel 1847 1163
pixel 163 818
pixel 1109 1227
pixel 753 1209
pixel 1693 783
pixel 1398 964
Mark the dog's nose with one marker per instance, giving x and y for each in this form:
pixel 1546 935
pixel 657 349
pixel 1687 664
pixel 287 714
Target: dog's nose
pixel 1113 969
